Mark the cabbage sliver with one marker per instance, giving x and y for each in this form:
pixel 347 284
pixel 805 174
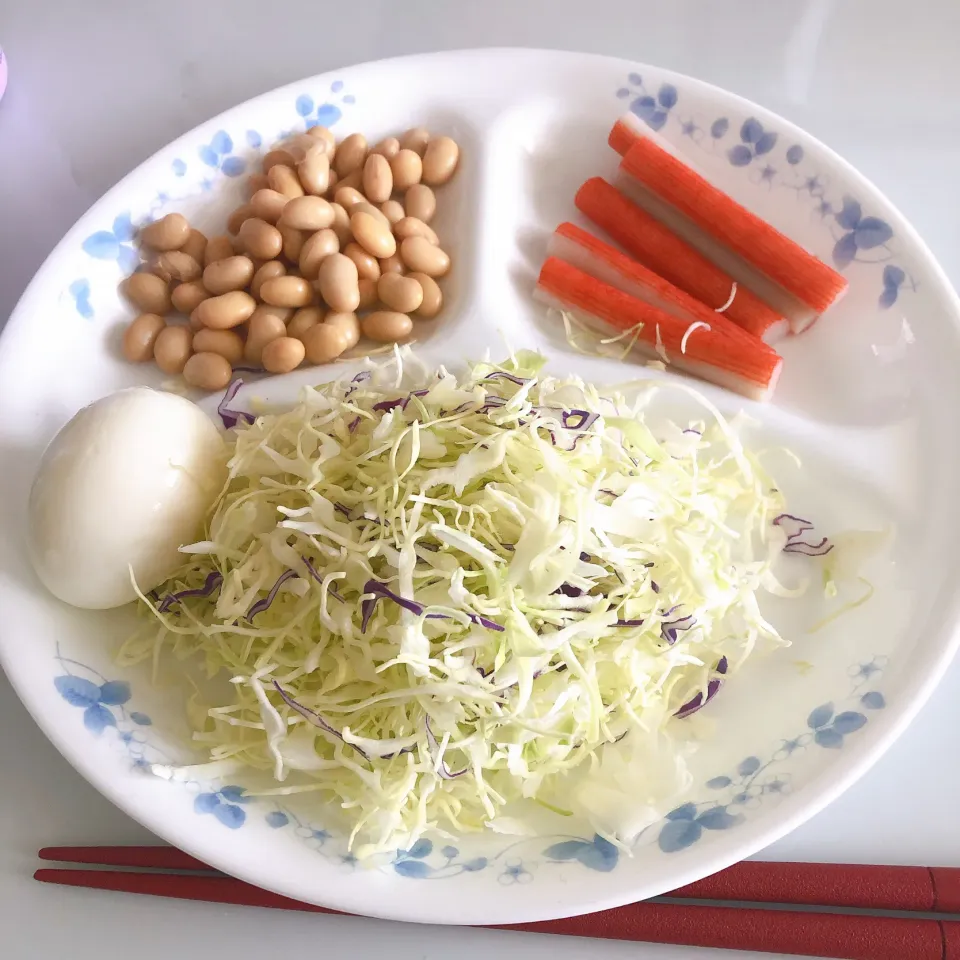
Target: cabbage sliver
pixel 439 599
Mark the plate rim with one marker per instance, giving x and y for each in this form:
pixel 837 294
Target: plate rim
pixel 766 828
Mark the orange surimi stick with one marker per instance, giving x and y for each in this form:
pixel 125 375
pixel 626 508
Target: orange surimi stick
pixel 624 134
pixel 588 253
pixel 629 128
pixel 779 271
pixel 666 254
pixel 738 363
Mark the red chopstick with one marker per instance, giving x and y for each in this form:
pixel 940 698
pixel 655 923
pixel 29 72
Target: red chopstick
pixel 779 931
pixel 784 931
pixel 860 886
pixel 210 889
pixel 158 858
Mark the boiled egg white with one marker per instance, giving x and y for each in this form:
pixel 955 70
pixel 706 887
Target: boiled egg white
pixel 121 487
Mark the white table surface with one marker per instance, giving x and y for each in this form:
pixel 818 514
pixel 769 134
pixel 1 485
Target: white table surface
pixel 96 87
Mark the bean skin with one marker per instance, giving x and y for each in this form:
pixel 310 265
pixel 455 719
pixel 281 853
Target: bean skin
pixel 341 224
pixel 350 155
pixel 268 204
pixel 266 271
pixel 432 297
pixel 338 283
pixel 375 237
pixel 420 202
pixel 386 326
pixel 218 248
pixel 239 216
pixel 233 273
pixel 415 227
pixel 400 294
pixel 226 311
pixel 308 213
pixel 388 147
pixel 264 326
pixel 287 292
pixel 141 336
pixel 315 250
pixel 180 266
pixel 283 178
pixel 377 178
pixel 392 265
pixel 172 349
pixel 186 297
pixel 324 343
pixel 196 246
pixel 314 173
pixel 348 197
pixel 325 136
pixel 227 343
pixel 368 267
pixel 207 371
pixel 347 324
pixel 352 180
pixel 168 233
pixel 292 242
pixel 407 169
pixel 393 211
pixel 440 161
pixel 303 320
pixel 415 139
pixel 148 293
pixel 421 256
pixel 368 294
pixel 275 157
pixel 257 181
pixel 260 240
pixel 283 355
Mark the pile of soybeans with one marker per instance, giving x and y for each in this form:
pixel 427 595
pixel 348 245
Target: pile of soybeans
pixel 334 244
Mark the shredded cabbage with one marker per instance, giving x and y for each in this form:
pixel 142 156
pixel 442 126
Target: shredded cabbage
pixel 440 598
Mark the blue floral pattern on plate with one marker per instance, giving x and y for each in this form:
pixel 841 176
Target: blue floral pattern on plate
pixel 327 113
pixel 858 238
pixel 226 805
pixel 653 108
pixel 79 290
pixel 754 779
pixel 104 705
pixel 115 244
pixel 597 854
pixel 755 142
pixel 219 155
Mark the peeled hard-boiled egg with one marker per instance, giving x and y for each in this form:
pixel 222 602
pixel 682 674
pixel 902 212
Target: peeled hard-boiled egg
pixel 122 486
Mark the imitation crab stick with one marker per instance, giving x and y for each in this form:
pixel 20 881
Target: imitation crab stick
pixel 779 271
pixel 738 363
pixel 650 242
pixel 590 254
pixel 625 133
pixel 629 128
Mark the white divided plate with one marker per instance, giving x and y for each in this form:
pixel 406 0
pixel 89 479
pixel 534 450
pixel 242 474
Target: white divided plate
pixel 868 400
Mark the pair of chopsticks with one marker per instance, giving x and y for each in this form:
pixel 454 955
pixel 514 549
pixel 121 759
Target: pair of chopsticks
pixel 857 936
